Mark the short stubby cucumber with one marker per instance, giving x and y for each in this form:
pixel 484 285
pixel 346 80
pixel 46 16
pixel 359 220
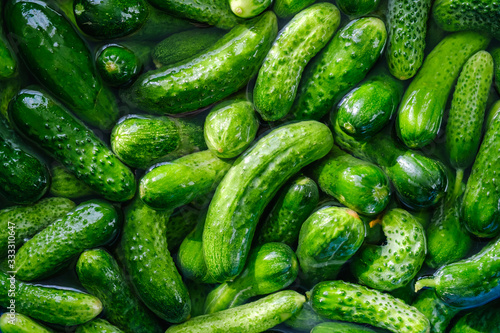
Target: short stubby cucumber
pixel 249 8
pixel 484 319
pixel 117 65
pixel 98 326
pixel 338 327
pixel 421 111
pixel 221 70
pixel 288 8
pixel 64 184
pixel 339 300
pixel 279 76
pixel 254 317
pixel 18 323
pixel 342 64
pixel 438 312
pixel 250 185
pixel 357 7
pixel 51 127
pixel 496 57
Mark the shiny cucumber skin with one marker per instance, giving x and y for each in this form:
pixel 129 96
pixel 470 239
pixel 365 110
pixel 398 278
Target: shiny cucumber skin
pixel 357 7
pixel 51 127
pixel 288 8
pixel 248 8
pixel 8 62
pixel 297 43
pixel 52 305
pixel 250 185
pixel 421 111
pixel 209 77
pixel 100 274
pixel 253 317
pixel 438 312
pixel 152 270
pixel 496 57
pixel 91 224
pixel 339 300
pixel 98 326
pixel 58 57
pixel 306 319
pixel 64 184
pixel 295 202
pixel 117 65
pixel 494 110
pixel 342 64
pixel 18 323
pixel 407 22
pixel 339 327
pixel 484 319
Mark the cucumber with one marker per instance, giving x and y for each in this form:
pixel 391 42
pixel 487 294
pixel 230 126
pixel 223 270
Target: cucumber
pixel 460 15
pixel 91 224
pixel 8 62
pixel 327 240
pixel 342 64
pixel 8 89
pixel 60 60
pixel 295 202
pixel 306 319
pixel 338 327
pixel 421 111
pixel 407 23
pixel 147 259
pixel 496 57
pixel 253 180
pixel 52 305
pixel 209 77
pixel 253 317
pixel 170 185
pixel 117 65
pixel 279 76
pixel 269 268
pixel 495 109
pixel 198 293
pixel 179 224
pixel 230 128
pixel 288 8
pixel 65 184
pixel 485 319
pixel 50 126
pixel 357 184
pixel 248 8
pixel 98 326
pixel 339 300
pixel 100 274
pixel 357 7
pixel 18 323
pixel 438 312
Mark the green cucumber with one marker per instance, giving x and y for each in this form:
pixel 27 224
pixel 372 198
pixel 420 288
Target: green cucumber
pixel 288 8
pixel 357 7
pixel 8 62
pixel 342 64
pixel 250 318
pixel 407 22
pixel 98 326
pixel 117 65
pixel 50 126
pixel 279 76
pixel 8 89
pixel 180 223
pixel 198 293
pixel 253 180
pixel 59 58
pixel 147 259
pixel 173 184
pixel 421 111
pixel 269 268
pixel 338 327
pixel 209 77
pixel 295 202
pixel 496 57
pixel 495 109
pixel 306 319
pixel 18 323
pixel 485 319
pixel 52 305
pixel 438 312
pixel 248 8
pixel 65 184
pixel 339 300
pixel 327 240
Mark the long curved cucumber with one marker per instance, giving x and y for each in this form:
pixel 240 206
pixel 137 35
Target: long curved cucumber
pixel 18 323
pixel 438 312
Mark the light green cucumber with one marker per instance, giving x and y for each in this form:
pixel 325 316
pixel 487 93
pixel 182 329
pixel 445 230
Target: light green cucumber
pixel 339 327
pixel 288 8
pixel 438 312
pixel 357 7
pixel 65 184
pixel 98 326
pixel 495 109
pixel 248 8
pixel 18 323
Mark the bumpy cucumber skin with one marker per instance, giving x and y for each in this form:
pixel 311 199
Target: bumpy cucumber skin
pixel 357 7
pixel 465 122
pixel 248 8
pixel 279 76
pixel 339 300
pixel 250 185
pixel 438 312
pixel 50 126
pixel 253 317
pixel 90 224
pixel 341 65
pixel 171 185
pixel 328 238
pixel 21 324
pixel 207 78
pixel 339 327
pixel 296 201
pixel 485 319
pixel 52 305
pixel 98 326
pixel 60 60
pixel 148 262
pixel 288 8
pixel 29 220
pixel 117 65
pixel 496 57
pixel 407 21
pixel 421 111
pixel 64 184
pixel 460 15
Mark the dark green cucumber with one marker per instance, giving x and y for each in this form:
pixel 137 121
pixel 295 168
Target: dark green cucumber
pixel 357 184
pixel 248 8
pixel 339 300
pixel 230 128
pixel 180 223
pixel 65 184
pixel 197 82
pixel 496 57
pixel 269 268
pixel 8 62
pixel 421 110
pixel 170 185
pixel 279 76
pixel 18 323
pixel 295 202
pixel 98 326
pixel 90 224
pixel 8 89
pixel 59 58
pixel 50 126
pixel 100 274
pixel 117 65
pixel 198 293
pixel 288 8
pixel 357 7
pixel 327 240
pixel 342 64
pixel 253 317
pixel 438 312
pixel 485 319
pixel 407 23
pixel 338 327
pixel 253 180
pixel 52 305
pixel 148 262
pixel 306 319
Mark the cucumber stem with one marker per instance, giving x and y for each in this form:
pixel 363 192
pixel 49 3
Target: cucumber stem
pixel 458 183
pixel 422 283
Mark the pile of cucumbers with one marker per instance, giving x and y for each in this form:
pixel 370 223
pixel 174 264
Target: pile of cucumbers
pixel 250 166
